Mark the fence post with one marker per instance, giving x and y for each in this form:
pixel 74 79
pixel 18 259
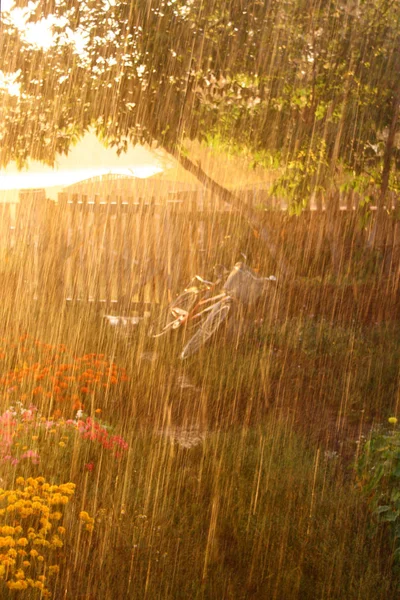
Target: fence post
pixel 32 235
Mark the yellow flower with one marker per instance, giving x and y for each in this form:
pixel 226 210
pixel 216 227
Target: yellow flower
pixel 8 562
pixel 20 481
pixel 26 563
pixel 6 541
pixel 35 437
pixel 89 527
pixel 7 530
pixel 56 516
pixel 61 444
pixel 53 569
pixel 17 585
pixel 22 542
pixel 392 420
pixel 56 542
pixel 34 553
pixel 20 574
pixel 61 530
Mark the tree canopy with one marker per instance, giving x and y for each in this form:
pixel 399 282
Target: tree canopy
pixel 315 82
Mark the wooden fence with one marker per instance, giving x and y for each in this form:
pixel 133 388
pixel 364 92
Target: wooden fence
pixel 126 254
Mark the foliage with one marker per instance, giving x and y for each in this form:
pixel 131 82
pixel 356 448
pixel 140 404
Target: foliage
pixel 288 71
pixel 378 472
pixel 303 177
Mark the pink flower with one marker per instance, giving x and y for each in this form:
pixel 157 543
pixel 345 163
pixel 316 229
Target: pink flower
pixel 33 455
pixel 89 466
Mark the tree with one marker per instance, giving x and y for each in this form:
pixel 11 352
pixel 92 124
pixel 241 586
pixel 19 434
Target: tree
pixel 311 81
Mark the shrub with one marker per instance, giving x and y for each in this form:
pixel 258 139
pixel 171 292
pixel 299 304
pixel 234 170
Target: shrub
pixel 378 471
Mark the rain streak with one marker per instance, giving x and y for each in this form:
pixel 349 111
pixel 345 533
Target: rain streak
pixel 199 299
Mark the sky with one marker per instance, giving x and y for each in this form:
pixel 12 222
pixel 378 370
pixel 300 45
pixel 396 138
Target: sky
pixel 89 158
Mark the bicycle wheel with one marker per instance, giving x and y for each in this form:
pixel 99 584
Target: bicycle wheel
pixel 214 320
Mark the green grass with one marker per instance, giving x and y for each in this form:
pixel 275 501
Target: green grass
pixel 250 514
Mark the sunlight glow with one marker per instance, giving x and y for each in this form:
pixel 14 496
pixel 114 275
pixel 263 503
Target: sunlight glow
pixel 9 83
pixel 6 5
pixel 26 180
pixel 40 34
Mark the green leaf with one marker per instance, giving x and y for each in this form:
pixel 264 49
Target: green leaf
pixel 382 509
pixel 390 516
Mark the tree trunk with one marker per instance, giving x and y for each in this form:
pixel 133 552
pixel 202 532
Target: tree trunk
pixel 377 237
pixel 250 215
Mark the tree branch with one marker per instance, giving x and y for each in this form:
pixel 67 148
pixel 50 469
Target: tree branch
pixel 247 211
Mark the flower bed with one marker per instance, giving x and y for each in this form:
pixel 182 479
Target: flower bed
pixel 53 378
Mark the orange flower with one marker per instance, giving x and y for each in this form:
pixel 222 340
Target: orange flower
pixel 77 405
pixel 84 390
pixel 57 389
pixel 37 390
pixel 113 379
pixel 57 414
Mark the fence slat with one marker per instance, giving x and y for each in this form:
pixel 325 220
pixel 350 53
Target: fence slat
pixel 132 252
